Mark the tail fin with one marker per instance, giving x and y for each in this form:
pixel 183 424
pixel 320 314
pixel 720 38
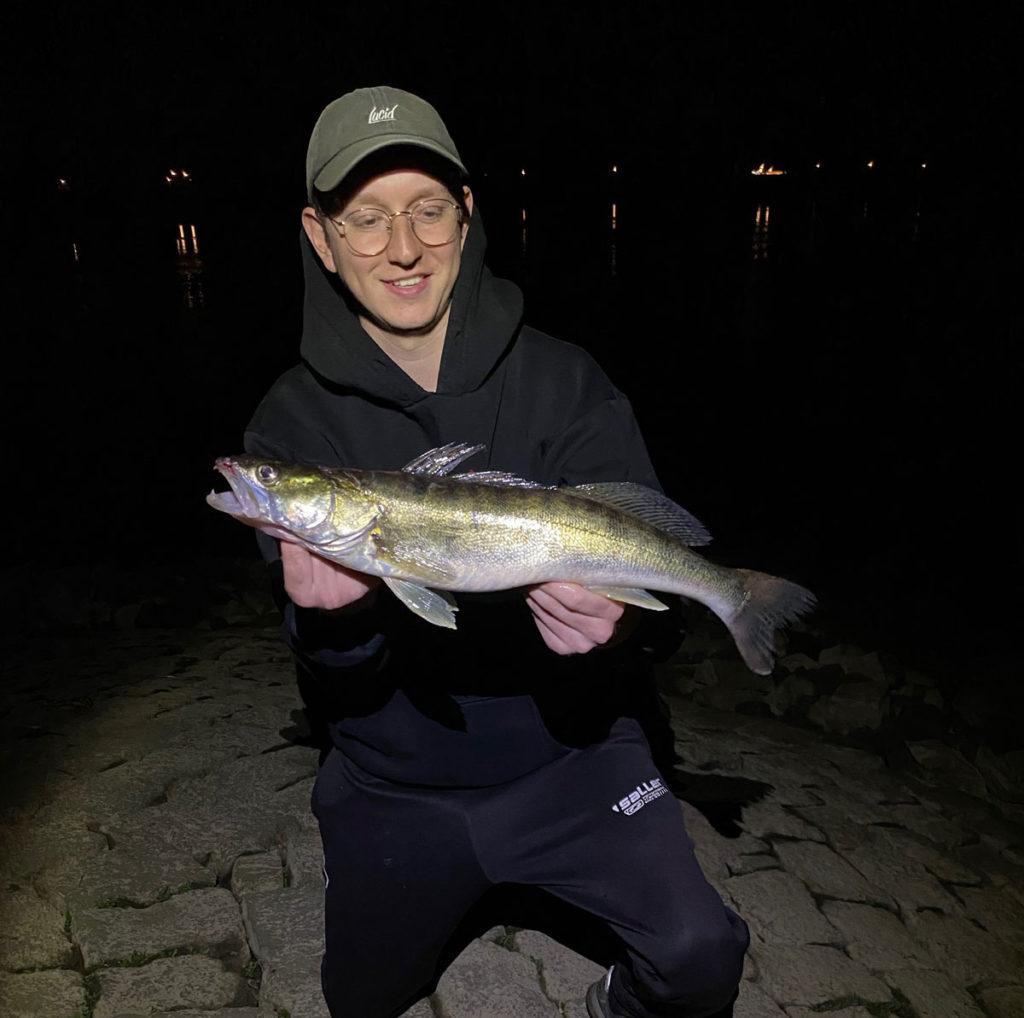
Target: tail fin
pixel 769 603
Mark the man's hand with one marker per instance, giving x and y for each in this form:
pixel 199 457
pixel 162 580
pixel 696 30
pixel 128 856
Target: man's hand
pixel 313 582
pixel 572 619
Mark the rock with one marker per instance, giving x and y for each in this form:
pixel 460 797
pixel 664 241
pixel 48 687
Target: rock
pixel 421 1009
pixel 867 666
pixel 752 863
pixel 1003 772
pixel 855 1011
pixel 876 938
pixel 840 652
pixel 138 871
pixel 826 873
pixel 933 994
pixel 753 1002
pixel 168 984
pixel 197 922
pixel 286 924
pixel 942 864
pixel 38 844
pixel 32 933
pixel 488 980
pixel 767 820
pixel 798 662
pixel 135 784
pixel 1003 1001
pixel 294 988
pixel 793 695
pixel 728 683
pixel 224 1012
pixel 780 907
pixel 234 810
pixel 879 859
pixel 261 871
pixel 853 707
pixel 996 912
pixel 917 720
pixel 303 853
pixel 949 766
pixel 810 975
pixel 969 955
pixel 564 975
pixel 56 993
pixel 920 820
pixel 285 930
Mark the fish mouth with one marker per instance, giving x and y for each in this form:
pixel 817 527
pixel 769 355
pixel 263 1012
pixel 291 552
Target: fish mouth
pixel 240 501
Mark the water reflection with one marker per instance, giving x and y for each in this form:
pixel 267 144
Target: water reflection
pixel 190 266
pixel 615 214
pixel 762 223
pixel 612 244
pixel 522 177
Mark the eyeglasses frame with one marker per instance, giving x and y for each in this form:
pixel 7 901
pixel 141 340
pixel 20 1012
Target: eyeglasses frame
pixel 391 217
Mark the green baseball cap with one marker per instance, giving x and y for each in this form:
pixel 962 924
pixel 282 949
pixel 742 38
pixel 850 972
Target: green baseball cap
pixel 367 120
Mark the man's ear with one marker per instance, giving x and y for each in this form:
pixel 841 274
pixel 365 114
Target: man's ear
pixel 318 237
pixel 468 197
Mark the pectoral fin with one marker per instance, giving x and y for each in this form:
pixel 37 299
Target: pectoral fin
pixel 631 595
pixel 436 606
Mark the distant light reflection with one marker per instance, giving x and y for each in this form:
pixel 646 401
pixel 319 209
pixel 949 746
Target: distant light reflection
pixel 762 221
pixel 190 266
pixel 188 243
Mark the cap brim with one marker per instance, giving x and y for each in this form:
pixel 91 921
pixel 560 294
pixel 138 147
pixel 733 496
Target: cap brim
pixel 338 168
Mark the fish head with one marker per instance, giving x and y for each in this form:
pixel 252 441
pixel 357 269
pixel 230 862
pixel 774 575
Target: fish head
pixel 293 502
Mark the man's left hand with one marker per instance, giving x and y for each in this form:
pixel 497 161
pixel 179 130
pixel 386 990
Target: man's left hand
pixel 572 619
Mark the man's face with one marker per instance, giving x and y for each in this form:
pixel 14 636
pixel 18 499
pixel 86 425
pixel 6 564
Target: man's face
pixel 406 289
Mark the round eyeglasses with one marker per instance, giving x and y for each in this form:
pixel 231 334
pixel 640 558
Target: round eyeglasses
pixel 434 221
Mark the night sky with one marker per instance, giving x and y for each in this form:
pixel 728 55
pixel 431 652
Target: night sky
pixel 148 85
pixel 687 97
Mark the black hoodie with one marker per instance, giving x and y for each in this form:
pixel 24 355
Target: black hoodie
pixel 488 702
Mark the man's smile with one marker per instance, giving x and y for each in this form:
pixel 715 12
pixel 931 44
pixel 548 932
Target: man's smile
pixel 408 286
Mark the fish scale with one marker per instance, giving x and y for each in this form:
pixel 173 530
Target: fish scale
pixel 427 534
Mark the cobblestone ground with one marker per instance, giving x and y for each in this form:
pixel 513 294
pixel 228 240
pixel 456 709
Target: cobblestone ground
pixel 158 856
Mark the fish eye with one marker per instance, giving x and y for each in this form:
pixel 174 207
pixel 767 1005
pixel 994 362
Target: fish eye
pixel 267 474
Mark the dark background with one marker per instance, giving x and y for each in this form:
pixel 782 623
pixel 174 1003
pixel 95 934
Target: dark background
pixel 841 408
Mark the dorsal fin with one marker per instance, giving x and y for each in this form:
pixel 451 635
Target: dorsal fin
pixel 499 479
pixel 650 506
pixel 441 460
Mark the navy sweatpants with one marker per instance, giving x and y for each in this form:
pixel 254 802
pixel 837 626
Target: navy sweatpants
pixel 595 828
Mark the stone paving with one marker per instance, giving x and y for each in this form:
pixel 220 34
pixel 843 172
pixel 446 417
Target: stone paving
pixel 158 856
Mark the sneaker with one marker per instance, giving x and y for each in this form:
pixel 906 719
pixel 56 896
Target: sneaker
pixel 597 997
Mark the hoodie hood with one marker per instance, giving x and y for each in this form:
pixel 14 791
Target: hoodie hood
pixel 486 314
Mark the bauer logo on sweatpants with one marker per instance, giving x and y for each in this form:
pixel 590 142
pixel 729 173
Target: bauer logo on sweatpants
pixel 645 792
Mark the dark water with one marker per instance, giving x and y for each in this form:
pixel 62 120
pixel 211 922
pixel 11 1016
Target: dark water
pixel 825 366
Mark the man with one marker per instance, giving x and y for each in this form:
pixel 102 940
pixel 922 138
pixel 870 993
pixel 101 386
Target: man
pixel 499 753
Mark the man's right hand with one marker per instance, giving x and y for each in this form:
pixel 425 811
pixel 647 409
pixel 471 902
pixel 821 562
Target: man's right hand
pixel 313 582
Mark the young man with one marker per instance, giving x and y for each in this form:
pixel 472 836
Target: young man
pixel 498 753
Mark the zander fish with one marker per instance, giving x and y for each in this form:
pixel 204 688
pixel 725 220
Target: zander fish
pixel 426 533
